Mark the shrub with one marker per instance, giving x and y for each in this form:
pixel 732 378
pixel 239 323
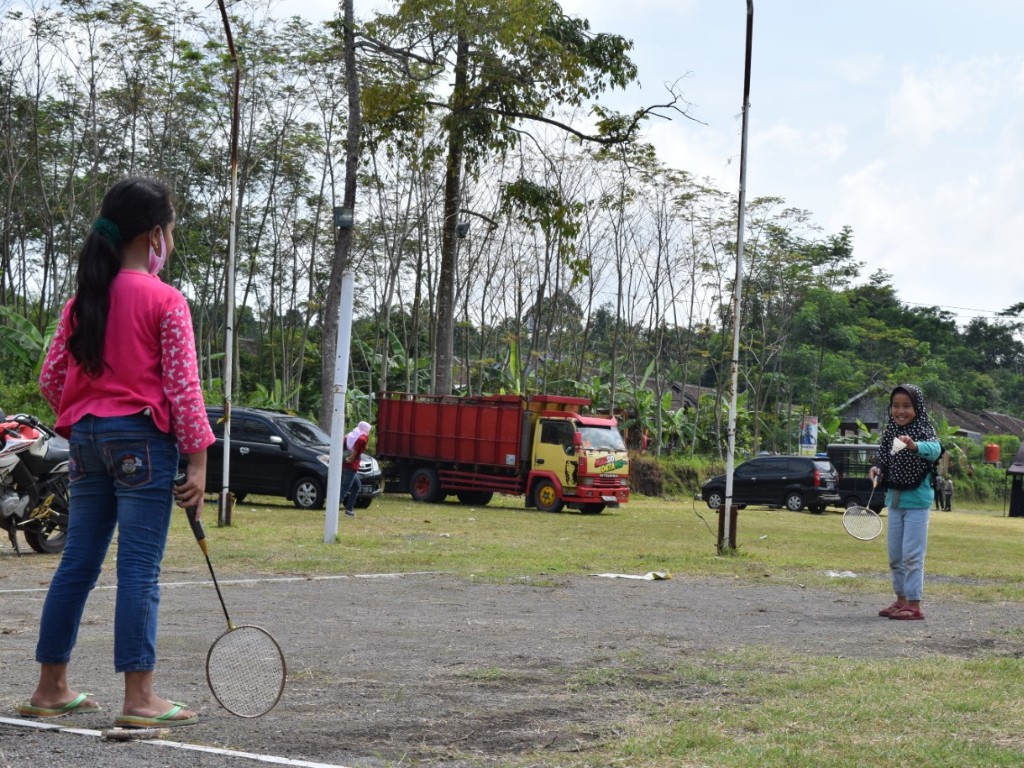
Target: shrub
pixel 646 476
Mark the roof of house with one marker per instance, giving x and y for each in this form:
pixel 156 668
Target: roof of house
pixel 981 422
pixel 972 423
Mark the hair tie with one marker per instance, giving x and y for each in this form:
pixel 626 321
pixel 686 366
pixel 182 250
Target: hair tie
pixel 108 229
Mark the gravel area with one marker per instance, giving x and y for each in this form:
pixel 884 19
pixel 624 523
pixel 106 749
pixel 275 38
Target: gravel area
pixel 433 670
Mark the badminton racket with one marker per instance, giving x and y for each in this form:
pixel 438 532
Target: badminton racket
pixel 245 667
pixel 862 522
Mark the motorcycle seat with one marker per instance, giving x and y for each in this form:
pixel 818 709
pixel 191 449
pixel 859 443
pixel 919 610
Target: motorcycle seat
pixel 57 450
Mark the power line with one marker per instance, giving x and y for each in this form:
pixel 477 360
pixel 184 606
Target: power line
pixel 977 312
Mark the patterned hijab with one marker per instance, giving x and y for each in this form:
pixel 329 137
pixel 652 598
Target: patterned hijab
pixel 905 470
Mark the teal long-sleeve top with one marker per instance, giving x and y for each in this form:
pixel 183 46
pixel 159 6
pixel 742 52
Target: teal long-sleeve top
pixel 922 496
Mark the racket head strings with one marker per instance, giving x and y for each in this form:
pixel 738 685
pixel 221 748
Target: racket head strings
pixel 246 671
pixel 862 523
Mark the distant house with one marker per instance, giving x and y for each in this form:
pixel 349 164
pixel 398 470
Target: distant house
pixel 870 408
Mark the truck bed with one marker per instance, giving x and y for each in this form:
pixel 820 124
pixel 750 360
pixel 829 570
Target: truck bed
pixel 467 431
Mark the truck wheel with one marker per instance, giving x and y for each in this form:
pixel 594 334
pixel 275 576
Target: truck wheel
pixel 593 509
pixel 474 498
pixel 545 496
pixel 307 493
pixel 425 486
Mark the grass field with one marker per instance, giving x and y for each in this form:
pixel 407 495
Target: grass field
pixel 976 551
pixel 770 707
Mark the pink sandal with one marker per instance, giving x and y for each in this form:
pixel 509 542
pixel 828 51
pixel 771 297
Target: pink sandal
pixel 907 613
pixel 888 612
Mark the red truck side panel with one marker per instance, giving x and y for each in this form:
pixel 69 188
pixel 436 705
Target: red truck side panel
pixel 475 431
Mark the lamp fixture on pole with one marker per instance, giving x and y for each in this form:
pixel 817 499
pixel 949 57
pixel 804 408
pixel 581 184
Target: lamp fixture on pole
pixel 343 217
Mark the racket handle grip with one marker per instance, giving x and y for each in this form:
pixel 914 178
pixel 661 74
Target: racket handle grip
pixel 190 512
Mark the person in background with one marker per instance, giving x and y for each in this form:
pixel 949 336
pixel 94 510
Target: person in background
pixel 947 494
pixel 122 378
pixel 906 456
pixel 355 444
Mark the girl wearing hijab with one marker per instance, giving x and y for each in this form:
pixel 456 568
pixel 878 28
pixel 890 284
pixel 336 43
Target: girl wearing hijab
pixel 355 444
pixel 906 459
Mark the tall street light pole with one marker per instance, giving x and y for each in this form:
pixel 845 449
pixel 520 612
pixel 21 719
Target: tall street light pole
pixel 727 536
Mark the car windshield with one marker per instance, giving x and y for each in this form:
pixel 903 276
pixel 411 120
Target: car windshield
pixel 304 432
pixel 602 438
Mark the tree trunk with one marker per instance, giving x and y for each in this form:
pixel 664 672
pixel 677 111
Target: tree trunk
pixel 444 338
pixel 343 236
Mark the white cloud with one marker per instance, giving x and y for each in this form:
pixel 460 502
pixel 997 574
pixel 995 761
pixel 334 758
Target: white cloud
pixel 826 143
pixel 858 70
pixel 945 99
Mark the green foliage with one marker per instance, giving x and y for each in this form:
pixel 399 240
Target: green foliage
pixel 24 397
pixel 646 475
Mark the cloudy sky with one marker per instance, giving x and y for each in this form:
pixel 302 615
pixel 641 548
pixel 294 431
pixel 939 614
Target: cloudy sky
pixel 902 119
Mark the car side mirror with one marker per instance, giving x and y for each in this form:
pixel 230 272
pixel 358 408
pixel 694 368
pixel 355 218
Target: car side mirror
pixel 277 440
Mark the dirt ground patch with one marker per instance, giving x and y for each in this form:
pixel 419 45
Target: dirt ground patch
pixel 433 670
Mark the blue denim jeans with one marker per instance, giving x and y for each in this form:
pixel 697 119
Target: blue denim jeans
pixel 121 474
pixel 908 541
pixel 350 487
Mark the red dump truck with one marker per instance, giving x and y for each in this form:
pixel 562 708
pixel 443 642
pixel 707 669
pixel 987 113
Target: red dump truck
pixel 541 446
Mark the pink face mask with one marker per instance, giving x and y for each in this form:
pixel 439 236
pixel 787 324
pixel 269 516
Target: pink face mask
pixel 156 263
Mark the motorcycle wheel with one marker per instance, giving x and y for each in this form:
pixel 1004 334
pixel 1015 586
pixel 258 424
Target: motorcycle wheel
pixel 46 540
pixel 48 535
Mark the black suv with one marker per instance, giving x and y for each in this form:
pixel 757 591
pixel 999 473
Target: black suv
pixel 277 454
pixel 786 481
pixel 854 462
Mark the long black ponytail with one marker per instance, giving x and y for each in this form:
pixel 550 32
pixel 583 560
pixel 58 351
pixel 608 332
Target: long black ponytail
pixel 131 207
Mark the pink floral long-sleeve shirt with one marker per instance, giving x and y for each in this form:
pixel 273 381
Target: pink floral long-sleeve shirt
pixel 150 362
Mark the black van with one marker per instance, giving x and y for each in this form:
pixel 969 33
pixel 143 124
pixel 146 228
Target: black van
pixel 853 462
pixel 278 454
pixel 794 482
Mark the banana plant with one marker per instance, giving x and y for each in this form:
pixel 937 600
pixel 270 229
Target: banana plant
pixel 21 341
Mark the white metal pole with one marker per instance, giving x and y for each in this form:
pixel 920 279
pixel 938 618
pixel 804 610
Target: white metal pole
pixel 734 366
pixel 341 356
pixel 223 512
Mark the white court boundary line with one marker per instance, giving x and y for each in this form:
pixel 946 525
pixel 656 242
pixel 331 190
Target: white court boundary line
pixel 272 759
pixel 267 580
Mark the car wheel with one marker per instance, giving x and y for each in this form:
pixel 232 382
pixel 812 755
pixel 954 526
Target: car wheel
pixel 715 499
pixel 364 503
pixel 545 497
pixel 794 502
pixel 239 497
pixel 817 508
pixel 307 493
pixel 593 509
pixel 851 502
pixel 424 485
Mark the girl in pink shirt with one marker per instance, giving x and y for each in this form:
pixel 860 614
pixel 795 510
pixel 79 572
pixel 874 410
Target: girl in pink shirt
pixel 122 377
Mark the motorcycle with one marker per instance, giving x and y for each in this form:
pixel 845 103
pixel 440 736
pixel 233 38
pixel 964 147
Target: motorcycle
pixel 34 492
